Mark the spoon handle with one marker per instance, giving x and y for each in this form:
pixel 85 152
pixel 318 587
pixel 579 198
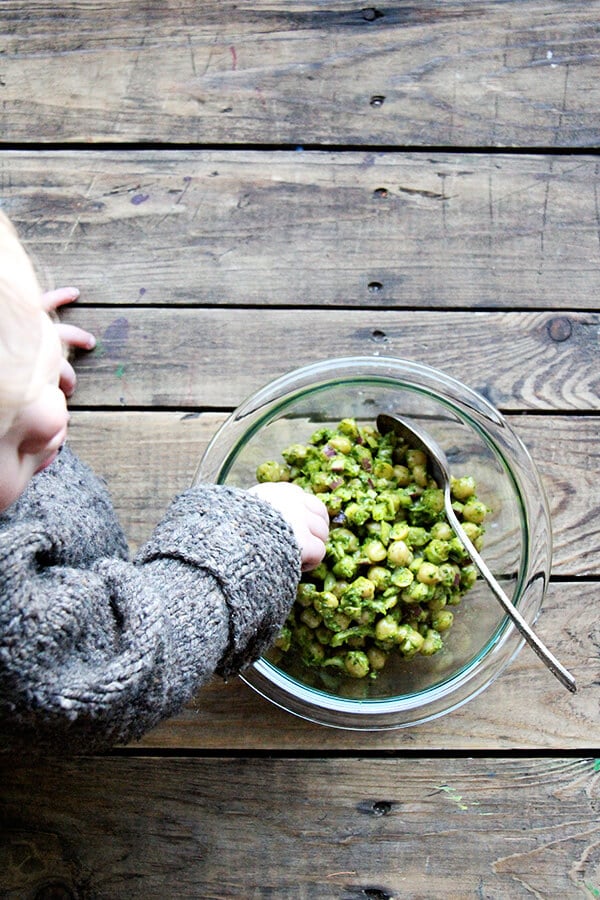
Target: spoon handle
pixel 512 612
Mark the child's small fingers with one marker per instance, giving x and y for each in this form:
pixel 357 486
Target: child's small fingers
pixel 67 378
pixel 313 552
pixel 318 527
pixel 52 299
pixel 315 505
pixel 73 336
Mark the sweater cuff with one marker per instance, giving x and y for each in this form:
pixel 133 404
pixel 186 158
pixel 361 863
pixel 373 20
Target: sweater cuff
pixel 250 550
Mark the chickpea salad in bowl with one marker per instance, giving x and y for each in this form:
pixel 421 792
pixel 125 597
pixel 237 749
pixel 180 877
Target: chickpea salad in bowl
pixel 394 627
pixel 393 570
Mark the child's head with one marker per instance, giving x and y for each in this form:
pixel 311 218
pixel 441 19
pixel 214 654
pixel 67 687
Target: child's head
pixel 33 413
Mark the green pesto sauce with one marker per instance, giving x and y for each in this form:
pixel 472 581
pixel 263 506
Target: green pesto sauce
pixel 393 571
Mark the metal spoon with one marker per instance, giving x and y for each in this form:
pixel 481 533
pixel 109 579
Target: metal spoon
pixel 416 438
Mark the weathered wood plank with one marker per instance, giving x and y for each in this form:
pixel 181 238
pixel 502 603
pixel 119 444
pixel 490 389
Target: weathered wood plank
pixel 456 74
pixel 312 229
pixel 525 708
pixel 319 829
pixel 168 448
pixel 567 453
pixel 195 358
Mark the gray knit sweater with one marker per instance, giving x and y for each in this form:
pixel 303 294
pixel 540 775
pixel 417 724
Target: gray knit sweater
pixel 95 649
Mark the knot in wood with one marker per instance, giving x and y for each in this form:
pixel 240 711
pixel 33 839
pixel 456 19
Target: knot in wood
pixel 382 807
pixel 370 14
pixel 560 329
pixel 375 807
pixel 374 893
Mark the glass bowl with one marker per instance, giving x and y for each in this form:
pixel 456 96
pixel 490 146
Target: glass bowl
pixel 478 441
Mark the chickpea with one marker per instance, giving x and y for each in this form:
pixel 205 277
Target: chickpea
pixel 468 577
pixel 377 658
pixel 380 576
pixel 402 475
pixel 374 550
pixel 311 618
pixel 399 554
pixel 437 551
pixel 415 458
pixel 356 663
pixel 399 531
pixel 326 600
pixel 386 629
pixel 417 592
pixel 471 530
pixel 474 511
pixel 314 653
pixel 383 470
pixel 432 643
pixel 341 621
pixel 419 474
pixel 341 443
pixel 441 531
pixel 442 620
pixel 402 577
pixel 428 573
pixel 462 488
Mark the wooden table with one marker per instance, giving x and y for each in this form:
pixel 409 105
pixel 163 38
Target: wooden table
pixel 239 189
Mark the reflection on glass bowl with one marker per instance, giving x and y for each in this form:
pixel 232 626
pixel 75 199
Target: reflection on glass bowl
pixel 477 441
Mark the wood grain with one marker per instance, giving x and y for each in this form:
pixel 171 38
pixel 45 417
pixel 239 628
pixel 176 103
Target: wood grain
pixel 525 708
pixel 197 358
pixel 454 74
pixel 362 230
pixel 317 829
pixel 207 272
pixel 169 445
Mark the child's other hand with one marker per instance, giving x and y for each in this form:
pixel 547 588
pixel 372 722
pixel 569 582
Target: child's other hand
pixel 306 514
pixel 70 335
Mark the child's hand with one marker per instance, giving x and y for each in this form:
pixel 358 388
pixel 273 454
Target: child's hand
pixel 306 514
pixel 70 335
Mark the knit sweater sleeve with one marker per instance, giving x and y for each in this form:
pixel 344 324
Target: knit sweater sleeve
pixel 96 649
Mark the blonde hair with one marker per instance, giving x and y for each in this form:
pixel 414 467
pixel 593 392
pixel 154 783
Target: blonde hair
pixel 21 325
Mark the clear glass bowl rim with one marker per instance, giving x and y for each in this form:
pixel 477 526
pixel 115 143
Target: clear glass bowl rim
pixel 475 410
